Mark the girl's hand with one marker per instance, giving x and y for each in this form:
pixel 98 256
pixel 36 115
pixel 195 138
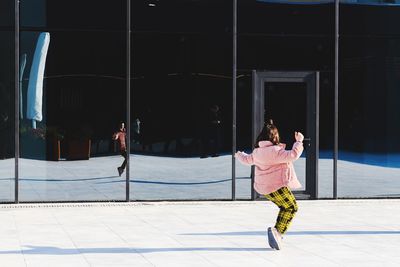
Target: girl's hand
pixel 298 136
pixel 237 154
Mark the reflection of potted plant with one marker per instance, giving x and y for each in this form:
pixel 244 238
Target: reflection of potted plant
pixel 54 137
pixel 32 141
pixel 78 143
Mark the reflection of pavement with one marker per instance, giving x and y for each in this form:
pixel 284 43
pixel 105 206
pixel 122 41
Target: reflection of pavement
pixel 7 184
pixel 324 233
pixel 174 178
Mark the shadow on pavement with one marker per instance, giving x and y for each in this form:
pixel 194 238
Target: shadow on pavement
pixel 33 250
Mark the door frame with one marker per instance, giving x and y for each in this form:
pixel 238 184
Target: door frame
pixel 311 78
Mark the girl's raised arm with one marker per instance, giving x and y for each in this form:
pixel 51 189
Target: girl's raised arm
pixel 244 158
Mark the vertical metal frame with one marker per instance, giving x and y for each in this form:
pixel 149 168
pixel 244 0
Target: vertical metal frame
pixel 257 118
pixel 312 80
pixel 128 97
pixel 336 111
pixel 234 77
pixel 16 99
pixel 313 131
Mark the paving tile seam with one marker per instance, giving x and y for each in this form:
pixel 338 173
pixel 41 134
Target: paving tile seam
pixel 173 237
pixel 19 239
pixel 336 261
pixel 70 238
pixel 126 242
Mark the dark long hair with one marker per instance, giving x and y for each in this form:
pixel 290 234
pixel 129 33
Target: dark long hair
pixel 268 133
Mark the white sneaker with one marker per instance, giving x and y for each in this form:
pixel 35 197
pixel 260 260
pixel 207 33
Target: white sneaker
pixel 274 238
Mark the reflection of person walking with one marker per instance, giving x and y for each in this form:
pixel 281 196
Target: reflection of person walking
pixel 210 137
pixel 121 137
pixel 275 175
pixel 4 122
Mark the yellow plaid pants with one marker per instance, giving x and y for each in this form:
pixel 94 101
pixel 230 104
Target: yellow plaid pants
pixel 286 202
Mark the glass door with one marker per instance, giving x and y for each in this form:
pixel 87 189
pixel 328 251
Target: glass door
pixel 291 100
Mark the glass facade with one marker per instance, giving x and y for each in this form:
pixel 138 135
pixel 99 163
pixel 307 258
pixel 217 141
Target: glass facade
pixel 7 103
pixel 73 98
pixel 182 100
pixel 285 36
pixel 369 111
pixel 202 78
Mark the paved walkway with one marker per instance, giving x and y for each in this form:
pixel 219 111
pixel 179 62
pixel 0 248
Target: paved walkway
pixel 324 233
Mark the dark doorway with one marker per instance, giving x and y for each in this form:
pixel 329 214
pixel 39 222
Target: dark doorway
pixel 291 99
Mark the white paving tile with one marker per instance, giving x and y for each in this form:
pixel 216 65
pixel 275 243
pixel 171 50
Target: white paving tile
pixel 323 233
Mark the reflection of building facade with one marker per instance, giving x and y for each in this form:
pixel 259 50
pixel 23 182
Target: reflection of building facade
pixel 182 59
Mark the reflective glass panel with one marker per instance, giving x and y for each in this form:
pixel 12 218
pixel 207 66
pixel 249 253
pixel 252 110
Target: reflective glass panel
pixel 286 37
pixel 7 103
pixel 181 100
pixel 73 99
pixel 369 111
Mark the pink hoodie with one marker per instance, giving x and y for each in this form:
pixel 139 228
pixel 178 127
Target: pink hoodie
pixel 274 168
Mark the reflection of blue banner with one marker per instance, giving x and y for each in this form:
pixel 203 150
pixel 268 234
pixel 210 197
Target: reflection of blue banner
pixel 22 65
pixel 35 86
